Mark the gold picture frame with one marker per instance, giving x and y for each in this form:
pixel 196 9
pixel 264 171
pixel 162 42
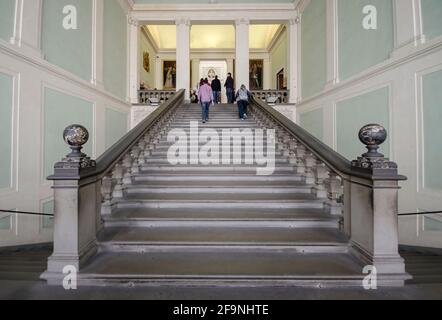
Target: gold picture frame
pixel 169 75
pixel 146 61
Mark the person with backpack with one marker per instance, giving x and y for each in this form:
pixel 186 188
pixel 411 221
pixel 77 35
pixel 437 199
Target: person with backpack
pixel 242 98
pixel 205 96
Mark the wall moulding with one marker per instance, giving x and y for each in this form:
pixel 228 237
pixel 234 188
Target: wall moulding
pixel 384 67
pixel 56 71
pixel 226 14
pixel 14 157
pixel 419 88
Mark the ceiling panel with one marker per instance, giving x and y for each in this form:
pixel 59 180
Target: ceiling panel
pixel 213 36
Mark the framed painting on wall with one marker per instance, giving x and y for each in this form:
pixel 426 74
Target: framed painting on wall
pixel 256 74
pixel 146 61
pixel 169 75
pixel 280 80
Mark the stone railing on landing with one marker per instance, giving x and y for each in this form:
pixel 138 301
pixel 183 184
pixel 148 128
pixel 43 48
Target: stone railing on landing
pixel 161 95
pixel 84 189
pixel 281 95
pixel 363 192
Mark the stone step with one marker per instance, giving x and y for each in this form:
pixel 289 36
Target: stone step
pixel 218 180
pixel 217 204
pixel 163 161
pixel 245 145
pixel 11 275
pixel 162 153
pixel 289 215
pixel 164 147
pixel 213 169
pixel 218 193
pixel 215 268
pixel 173 239
pixel 185 218
pixel 220 125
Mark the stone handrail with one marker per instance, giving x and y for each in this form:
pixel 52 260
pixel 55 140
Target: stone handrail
pixel 329 156
pixel 162 95
pixel 105 162
pixel 363 192
pixel 282 95
pixel 84 189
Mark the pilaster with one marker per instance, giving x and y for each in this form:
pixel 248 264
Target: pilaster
pixel 292 80
pixel 27 26
pixel 242 53
pixel 332 44
pixel 98 43
pixel 134 30
pixel 183 56
pixel 408 26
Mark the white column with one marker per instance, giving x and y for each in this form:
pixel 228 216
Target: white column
pixel 133 59
pixel 98 43
pixel 242 53
pixel 195 73
pixel 230 66
pixel 408 26
pixel 332 52
pixel 27 26
pixel 292 77
pixel 183 56
pixel 267 70
pixel 158 73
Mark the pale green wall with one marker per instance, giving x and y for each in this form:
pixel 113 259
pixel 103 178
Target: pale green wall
pixel 69 49
pixel 5 221
pixel 147 77
pixel 352 114
pixel 313 122
pixel 61 110
pixel 115 49
pixel 431 224
pixel 7 14
pixel 48 208
pixel 6 104
pixel 360 49
pixel 432 116
pixel 432 17
pixel 116 126
pixel 278 59
pixel 313 48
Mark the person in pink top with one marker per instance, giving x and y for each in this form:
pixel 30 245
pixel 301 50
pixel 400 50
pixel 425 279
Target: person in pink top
pixel 205 96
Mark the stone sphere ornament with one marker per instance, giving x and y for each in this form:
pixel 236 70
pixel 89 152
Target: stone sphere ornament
pixel 373 135
pixel 75 135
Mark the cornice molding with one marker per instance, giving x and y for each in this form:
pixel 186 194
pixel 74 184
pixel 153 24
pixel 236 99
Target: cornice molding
pixel 279 33
pixel 145 31
pixel 215 7
pixel 211 51
pixel 301 5
pixel 132 20
pixel 182 21
pixel 127 5
pixel 242 22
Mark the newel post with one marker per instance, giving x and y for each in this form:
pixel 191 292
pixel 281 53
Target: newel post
pixel 76 206
pixel 374 206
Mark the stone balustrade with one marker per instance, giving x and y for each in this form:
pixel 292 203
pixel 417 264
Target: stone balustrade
pixel 161 95
pixel 281 95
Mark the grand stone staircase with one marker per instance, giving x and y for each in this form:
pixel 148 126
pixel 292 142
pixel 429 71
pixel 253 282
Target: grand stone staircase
pixel 218 224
